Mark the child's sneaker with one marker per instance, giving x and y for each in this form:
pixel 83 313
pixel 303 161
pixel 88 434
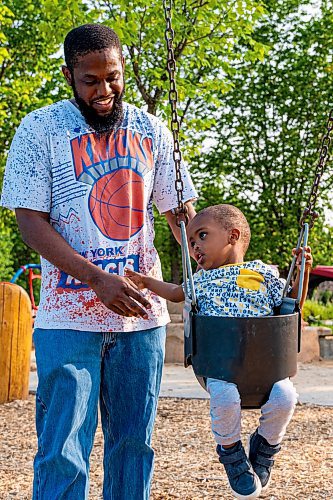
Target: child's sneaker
pixel 260 455
pixel 242 479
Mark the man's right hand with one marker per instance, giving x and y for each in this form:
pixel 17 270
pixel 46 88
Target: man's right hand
pixel 120 295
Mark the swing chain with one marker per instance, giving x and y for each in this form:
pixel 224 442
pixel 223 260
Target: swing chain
pixel 323 159
pixel 175 125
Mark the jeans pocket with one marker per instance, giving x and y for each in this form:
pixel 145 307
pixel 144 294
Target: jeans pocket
pixel 41 415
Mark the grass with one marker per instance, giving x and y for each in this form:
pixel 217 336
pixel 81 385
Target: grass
pixel 315 313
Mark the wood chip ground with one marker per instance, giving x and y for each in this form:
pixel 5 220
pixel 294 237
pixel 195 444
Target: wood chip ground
pixel 186 464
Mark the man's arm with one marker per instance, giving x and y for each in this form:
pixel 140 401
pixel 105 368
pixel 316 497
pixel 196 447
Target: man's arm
pixel 117 293
pixel 171 218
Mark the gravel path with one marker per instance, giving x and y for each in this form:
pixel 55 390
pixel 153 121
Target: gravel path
pixel 186 464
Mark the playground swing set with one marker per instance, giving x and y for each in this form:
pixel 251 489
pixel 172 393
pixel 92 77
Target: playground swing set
pixel 253 353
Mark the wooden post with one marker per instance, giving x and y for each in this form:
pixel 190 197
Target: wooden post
pixel 15 342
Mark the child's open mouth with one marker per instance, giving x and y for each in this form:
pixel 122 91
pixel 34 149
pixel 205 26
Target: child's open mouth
pixel 200 257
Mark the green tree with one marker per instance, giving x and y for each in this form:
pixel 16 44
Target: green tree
pixel 206 46
pixel 207 34
pixel 30 33
pixel 269 130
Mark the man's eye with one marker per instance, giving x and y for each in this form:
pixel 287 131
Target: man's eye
pixel 202 235
pixel 90 82
pixel 192 243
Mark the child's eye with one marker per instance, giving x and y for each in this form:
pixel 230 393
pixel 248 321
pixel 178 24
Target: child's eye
pixel 202 235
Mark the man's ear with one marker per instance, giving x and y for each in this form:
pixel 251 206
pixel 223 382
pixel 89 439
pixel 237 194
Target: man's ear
pixel 234 236
pixel 67 74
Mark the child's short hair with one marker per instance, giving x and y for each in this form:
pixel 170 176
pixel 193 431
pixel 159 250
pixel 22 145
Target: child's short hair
pixel 229 217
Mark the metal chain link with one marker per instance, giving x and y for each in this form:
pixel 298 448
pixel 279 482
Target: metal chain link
pixel 309 212
pixel 175 126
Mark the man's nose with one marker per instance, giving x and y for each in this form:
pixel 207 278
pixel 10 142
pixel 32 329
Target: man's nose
pixel 104 88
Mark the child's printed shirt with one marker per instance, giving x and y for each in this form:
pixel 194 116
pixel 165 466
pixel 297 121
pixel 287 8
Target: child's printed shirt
pixel 99 191
pixel 239 290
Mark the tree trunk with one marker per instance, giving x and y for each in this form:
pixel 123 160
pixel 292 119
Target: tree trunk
pixel 152 105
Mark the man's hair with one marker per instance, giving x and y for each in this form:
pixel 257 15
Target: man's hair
pixel 229 217
pixel 89 38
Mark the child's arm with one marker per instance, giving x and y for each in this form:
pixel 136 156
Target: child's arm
pixel 168 291
pixel 308 266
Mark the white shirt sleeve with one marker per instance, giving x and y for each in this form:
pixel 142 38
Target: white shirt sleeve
pixel 27 181
pixel 164 190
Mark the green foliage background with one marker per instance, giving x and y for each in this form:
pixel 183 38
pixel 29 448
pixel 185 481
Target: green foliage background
pixel 30 33
pixel 254 85
pixel 315 312
pixel 269 130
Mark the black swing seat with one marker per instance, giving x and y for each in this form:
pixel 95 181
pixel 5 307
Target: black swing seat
pixel 253 353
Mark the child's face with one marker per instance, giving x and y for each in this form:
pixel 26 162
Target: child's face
pixel 212 245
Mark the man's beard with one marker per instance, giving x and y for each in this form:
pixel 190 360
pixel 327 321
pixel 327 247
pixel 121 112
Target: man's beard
pixel 101 124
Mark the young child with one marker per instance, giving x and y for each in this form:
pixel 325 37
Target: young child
pixel 227 286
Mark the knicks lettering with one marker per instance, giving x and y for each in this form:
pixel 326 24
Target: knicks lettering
pixel 111 266
pixel 95 156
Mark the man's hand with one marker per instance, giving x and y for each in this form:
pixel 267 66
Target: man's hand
pixel 120 295
pixel 308 266
pixel 171 218
pixel 308 257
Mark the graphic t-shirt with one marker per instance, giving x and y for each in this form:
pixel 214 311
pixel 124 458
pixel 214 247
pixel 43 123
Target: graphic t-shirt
pixel 239 290
pixel 99 192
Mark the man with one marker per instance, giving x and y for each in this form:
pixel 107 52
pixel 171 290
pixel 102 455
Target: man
pixel 82 176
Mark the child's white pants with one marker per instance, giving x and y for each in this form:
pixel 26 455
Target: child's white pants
pixel 225 411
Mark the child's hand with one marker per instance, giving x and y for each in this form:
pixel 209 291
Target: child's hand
pixel 308 257
pixel 137 278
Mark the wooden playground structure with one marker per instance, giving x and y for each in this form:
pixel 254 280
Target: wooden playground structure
pixel 15 342
pixel 17 311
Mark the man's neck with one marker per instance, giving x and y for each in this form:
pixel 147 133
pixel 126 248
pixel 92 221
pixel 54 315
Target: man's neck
pixel 73 101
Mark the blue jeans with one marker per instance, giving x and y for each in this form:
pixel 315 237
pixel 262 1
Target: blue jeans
pixel 75 370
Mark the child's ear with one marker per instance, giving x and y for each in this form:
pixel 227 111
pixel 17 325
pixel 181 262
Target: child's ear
pixel 234 236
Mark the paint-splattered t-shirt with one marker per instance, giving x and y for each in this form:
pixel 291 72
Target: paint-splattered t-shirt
pixel 239 290
pixel 99 192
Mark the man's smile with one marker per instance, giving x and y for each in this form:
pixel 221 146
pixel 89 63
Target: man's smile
pixel 104 103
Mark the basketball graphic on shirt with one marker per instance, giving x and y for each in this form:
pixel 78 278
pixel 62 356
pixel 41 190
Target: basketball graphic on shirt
pixel 114 166
pixel 116 204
